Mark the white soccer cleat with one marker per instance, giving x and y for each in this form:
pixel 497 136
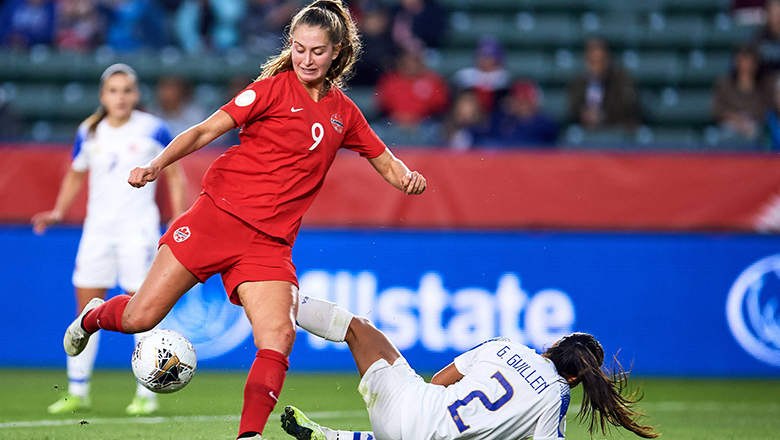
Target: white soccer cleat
pixel 76 337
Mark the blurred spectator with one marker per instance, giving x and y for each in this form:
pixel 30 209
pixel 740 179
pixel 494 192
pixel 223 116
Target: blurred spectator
pixel 25 23
pixel 379 49
pixel 134 25
pixel 423 20
pixel 748 12
pixel 80 27
pixel 467 124
pixel 488 77
pixel 10 123
pixel 175 105
pixel 412 93
pixel 520 122
pixel 264 22
pixel 741 98
pixel 203 25
pixel 235 86
pixel 768 38
pixel 773 119
pixel 604 96
pixel 170 9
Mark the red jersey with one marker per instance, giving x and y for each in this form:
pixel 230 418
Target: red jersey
pixel 288 143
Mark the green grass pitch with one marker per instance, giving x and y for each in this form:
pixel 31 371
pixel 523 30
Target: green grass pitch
pixel 209 407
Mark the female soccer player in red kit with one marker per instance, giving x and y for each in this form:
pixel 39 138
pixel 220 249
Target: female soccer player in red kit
pixel 294 118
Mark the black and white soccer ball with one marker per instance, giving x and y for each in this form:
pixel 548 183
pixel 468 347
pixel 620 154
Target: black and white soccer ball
pixel 164 361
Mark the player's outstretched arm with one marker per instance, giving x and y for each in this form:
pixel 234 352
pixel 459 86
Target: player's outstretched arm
pixel 191 140
pixel 395 172
pixel 69 189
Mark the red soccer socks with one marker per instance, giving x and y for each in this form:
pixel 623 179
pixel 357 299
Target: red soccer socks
pixel 107 317
pixel 263 385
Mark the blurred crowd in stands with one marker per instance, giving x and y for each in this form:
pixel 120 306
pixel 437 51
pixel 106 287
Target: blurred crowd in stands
pixel 479 106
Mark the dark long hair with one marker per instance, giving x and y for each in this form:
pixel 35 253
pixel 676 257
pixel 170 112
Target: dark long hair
pixel 334 17
pixel 752 51
pixel 119 68
pixel 580 356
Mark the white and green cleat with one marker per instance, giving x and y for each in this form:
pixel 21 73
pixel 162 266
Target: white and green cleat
pixel 69 404
pixel 142 406
pixel 295 423
pixel 76 337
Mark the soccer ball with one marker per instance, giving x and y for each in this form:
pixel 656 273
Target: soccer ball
pixel 164 361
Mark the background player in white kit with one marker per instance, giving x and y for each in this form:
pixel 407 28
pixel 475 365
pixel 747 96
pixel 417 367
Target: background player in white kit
pixel 122 225
pixel 498 390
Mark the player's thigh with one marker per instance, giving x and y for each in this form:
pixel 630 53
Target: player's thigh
pixel 368 345
pixel 165 283
pixel 384 388
pixel 96 263
pixel 135 256
pixel 271 307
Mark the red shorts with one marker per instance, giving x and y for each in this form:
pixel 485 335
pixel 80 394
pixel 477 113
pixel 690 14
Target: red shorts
pixel 208 240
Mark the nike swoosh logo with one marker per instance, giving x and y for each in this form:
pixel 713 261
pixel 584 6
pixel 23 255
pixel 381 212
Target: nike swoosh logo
pixel 294 110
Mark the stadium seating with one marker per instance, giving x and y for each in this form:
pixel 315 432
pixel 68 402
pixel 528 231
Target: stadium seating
pixel 674 49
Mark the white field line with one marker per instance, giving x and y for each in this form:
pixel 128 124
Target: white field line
pixel 151 420
pixel 773 408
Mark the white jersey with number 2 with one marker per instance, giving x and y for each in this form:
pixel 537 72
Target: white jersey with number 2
pixel 508 392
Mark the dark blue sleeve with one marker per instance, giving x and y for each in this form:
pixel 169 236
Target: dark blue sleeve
pixel 77 144
pixel 163 134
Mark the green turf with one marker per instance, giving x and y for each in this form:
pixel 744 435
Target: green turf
pixel 209 407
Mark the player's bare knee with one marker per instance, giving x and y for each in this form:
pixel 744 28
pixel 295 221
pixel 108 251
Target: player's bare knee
pixel 280 338
pixel 135 323
pixel 359 326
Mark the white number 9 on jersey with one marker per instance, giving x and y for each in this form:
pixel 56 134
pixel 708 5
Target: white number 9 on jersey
pixel 317 132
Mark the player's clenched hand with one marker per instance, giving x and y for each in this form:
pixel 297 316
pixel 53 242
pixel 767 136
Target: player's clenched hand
pixel 413 183
pixel 140 176
pixel 42 220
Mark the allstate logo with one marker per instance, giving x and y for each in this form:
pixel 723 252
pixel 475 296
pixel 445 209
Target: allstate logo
pixel 752 310
pixel 209 320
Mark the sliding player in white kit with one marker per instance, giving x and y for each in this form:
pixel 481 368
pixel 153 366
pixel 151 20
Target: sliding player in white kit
pixel 498 390
pixel 122 226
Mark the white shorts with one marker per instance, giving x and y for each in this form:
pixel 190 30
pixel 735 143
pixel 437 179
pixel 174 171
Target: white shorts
pixel 101 261
pixel 382 388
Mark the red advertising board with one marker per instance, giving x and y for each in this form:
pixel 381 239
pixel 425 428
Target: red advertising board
pixel 486 189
